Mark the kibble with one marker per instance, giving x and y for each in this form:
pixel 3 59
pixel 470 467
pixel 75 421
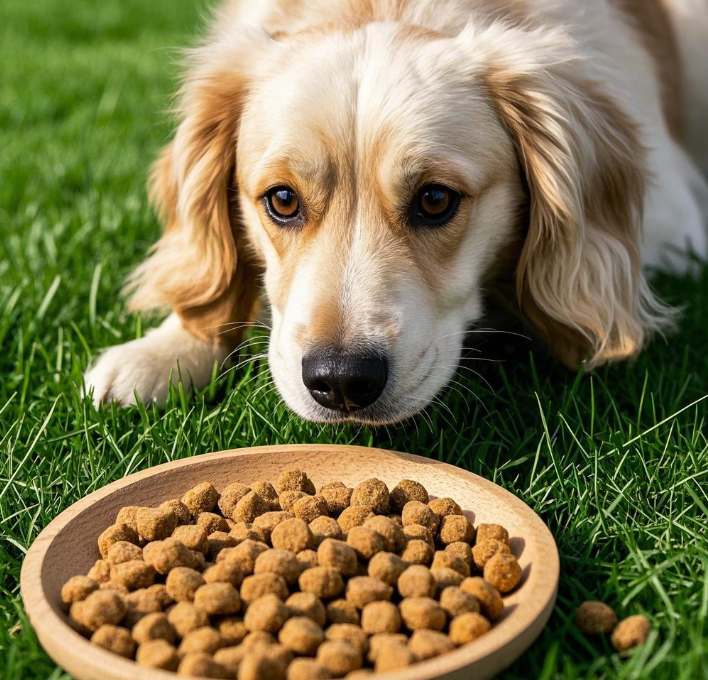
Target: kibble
pixel 593 618
pixel 283 581
pixel 630 633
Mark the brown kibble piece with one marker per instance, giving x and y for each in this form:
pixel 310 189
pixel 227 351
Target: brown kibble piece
pixel 230 496
pixel 365 542
pixel 249 507
pixel 114 534
pixel 293 535
pixel 145 601
pixel 259 638
pixel 155 524
pixel 201 665
pixel 405 491
pixel 169 554
pixel 114 639
pixel 157 654
pixel 338 498
pixel 349 633
pixel 211 522
pixel 267 492
pixel 339 657
pixel 307 669
pixel 258 585
pixel 468 627
pixel 426 644
pixel 182 583
pixel 179 508
pixel 372 493
pixel 282 562
pixel 418 532
pixel 185 617
pixel 287 499
pixel 383 641
pixel 631 632
pixel 393 658
pixel 325 527
pixel 386 567
pixel 100 571
pixel 310 508
pixel 338 555
pixel 417 581
pixel 154 626
pixel 242 531
pixel 133 575
pixel 454 528
pixel 267 613
pixel 444 577
pixel 342 611
pixel 218 541
pixel 77 588
pixel 294 480
pixel 483 551
pixel 307 559
pixel 392 533
pixel 418 552
pixel 325 582
pixel 259 664
pixel 192 536
pixel 244 555
pixel 443 507
pixel 363 589
pixel 447 560
pixel 265 523
pixel 204 639
pixel 127 515
pixel 415 512
pixel 422 612
pixel 201 498
pixel 456 601
pixel 232 630
pixel 224 572
pixel 99 608
pixel 124 552
pixel 217 599
pixel 380 617
pixel 307 604
pixel 487 595
pixel 486 532
pixel 354 516
pixel 461 550
pixel 593 618
pixel 503 572
pixel 301 635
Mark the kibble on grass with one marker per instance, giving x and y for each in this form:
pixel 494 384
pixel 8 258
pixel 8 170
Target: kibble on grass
pixel 630 633
pixel 593 618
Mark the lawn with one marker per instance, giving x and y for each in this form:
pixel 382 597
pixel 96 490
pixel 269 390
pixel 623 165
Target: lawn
pixel 615 462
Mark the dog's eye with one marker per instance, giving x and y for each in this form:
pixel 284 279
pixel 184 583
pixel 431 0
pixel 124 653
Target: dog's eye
pixel 282 205
pixel 434 205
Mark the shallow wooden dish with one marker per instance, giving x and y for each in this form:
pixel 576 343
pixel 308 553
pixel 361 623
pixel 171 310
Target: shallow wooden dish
pixel 68 547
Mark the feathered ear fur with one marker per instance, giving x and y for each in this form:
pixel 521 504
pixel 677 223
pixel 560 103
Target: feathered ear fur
pixel 201 266
pixel 579 278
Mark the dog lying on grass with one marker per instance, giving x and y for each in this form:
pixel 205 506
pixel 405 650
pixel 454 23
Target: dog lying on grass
pixel 376 167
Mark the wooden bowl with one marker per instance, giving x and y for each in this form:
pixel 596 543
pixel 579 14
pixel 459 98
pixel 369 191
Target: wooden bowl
pixel 68 547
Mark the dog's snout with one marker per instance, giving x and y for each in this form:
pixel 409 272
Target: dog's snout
pixel 344 382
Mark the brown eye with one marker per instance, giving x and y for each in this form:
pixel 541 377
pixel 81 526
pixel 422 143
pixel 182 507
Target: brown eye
pixel 434 205
pixel 283 205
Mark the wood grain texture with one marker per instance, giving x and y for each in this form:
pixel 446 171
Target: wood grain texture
pixel 67 546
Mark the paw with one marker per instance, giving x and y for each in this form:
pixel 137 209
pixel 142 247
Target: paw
pixel 145 367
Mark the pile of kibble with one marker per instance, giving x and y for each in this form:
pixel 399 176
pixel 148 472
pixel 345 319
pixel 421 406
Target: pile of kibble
pixel 284 582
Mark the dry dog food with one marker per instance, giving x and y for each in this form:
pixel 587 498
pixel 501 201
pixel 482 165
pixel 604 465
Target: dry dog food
pixel 595 618
pixel 284 581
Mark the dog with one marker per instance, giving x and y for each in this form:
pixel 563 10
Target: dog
pixel 376 167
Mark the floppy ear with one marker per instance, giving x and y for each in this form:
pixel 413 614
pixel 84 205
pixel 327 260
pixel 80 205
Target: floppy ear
pixel 201 266
pixel 579 277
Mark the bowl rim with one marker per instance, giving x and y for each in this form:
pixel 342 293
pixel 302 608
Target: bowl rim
pixel 56 636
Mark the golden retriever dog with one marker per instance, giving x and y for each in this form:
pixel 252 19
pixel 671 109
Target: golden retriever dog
pixel 376 167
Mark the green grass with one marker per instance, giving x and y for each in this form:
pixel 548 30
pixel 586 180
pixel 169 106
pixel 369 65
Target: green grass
pixel 616 463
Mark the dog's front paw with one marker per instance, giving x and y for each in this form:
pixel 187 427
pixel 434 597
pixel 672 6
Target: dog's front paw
pixel 145 367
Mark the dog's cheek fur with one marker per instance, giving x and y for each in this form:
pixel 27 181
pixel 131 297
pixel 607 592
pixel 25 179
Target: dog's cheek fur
pixel 579 278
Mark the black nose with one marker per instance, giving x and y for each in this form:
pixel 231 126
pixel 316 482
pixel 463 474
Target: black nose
pixel 344 382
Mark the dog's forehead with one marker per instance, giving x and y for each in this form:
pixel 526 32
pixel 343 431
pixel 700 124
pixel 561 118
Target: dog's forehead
pixel 351 91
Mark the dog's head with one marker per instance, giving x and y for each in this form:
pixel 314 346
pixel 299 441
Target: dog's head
pixel 378 177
